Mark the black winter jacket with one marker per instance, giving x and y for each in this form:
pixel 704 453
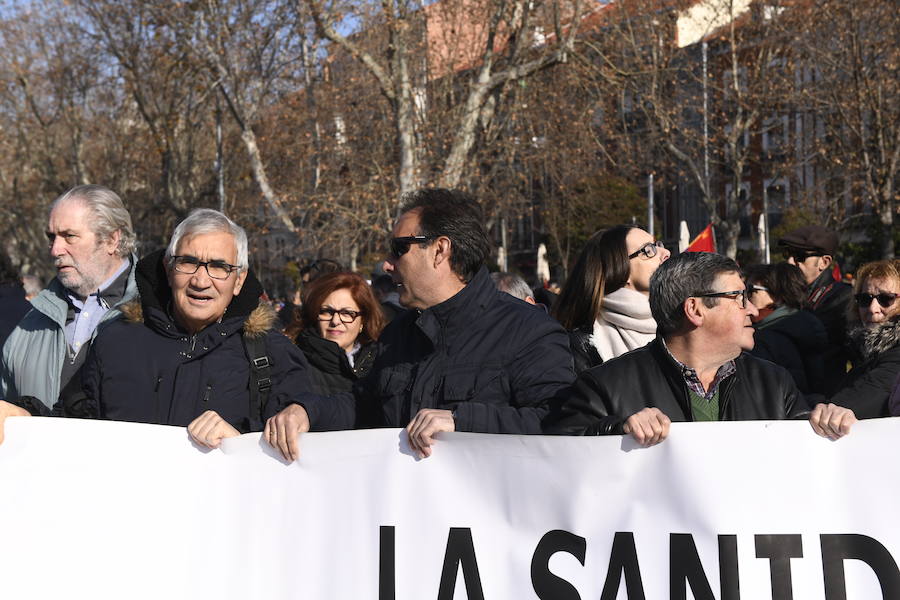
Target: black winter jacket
pixel 867 387
pixel 828 300
pixel 330 372
pixel 604 397
pixel 145 368
pixel 13 307
pixel 584 353
pixel 492 359
pixel 796 342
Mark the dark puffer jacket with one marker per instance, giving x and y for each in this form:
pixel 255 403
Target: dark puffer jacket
pixel 145 368
pixel 796 342
pixel 330 371
pixel 828 300
pixel 867 387
pixel 492 359
pixel 604 397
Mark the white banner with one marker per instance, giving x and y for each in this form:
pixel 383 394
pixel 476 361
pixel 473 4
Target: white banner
pixel 752 510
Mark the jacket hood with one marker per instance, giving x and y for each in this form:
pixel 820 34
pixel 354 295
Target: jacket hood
pixel 877 339
pixel 155 294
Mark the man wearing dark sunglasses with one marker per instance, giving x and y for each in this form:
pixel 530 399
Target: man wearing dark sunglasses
pixel 697 369
pixel 465 357
pixel 812 249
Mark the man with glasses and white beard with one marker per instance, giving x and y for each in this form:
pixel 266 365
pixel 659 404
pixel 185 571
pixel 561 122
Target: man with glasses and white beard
pixel 465 357
pixel 695 370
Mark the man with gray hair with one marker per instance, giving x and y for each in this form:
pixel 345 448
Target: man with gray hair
pixel 697 369
pixel 515 286
pixel 197 349
pixel 92 246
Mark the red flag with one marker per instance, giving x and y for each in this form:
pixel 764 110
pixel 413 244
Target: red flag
pixel 836 273
pixel 704 242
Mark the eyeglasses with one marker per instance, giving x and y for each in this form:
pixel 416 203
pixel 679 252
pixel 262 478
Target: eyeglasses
pixel 217 269
pixel 649 250
pixel 885 299
pixel 347 316
pixel 741 296
pixel 400 245
pixel 756 288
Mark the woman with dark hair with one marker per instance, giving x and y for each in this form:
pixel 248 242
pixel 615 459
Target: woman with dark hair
pixel 338 324
pixel 874 335
pixel 604 304
pixel 786 334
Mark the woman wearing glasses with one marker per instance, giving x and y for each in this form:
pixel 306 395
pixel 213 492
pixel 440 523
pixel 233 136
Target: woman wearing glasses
pixel 338 323
pixel 785 334
pixel 874 335
pixel 604 304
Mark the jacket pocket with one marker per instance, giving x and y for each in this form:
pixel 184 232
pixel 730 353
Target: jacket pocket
pixel 482 383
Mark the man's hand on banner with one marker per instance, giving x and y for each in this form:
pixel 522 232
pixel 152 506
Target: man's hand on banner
pixel 425 425
pixel 283 431
pixel 648 427
pixel 209 429
pixel 831 421
pixel 10 410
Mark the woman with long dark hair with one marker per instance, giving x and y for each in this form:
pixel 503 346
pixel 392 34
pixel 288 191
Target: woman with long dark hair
pixel 604 304
pixel 338 324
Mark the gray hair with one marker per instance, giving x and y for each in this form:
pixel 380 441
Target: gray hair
pixel 108 214
pixel 679 278
pixel 207 220
pixel 32 284
pixel 512 284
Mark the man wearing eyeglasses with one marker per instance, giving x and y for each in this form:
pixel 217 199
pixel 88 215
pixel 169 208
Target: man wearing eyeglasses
pixel 697 369
pixel 181 354
pixel 812 249
pixel 465 357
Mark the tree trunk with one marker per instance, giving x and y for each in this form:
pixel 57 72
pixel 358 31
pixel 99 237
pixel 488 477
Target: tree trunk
pixel 886 216
pixel 406 129
pixel 262 179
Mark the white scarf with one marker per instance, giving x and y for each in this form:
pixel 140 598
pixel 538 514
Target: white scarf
pixel 625 323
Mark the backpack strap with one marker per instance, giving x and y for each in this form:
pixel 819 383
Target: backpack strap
pixel 260 372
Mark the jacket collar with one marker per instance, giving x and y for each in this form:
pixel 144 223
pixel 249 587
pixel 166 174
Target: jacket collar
pixel 877 339
pixel 824 279
pixel 52 301
pixel 458 311
pixel 672 371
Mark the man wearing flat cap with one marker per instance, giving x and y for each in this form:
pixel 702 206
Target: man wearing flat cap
pixel 812 249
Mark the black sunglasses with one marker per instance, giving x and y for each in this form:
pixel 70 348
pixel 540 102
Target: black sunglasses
pixel 885 299
pixel 799 255
pixel 400 245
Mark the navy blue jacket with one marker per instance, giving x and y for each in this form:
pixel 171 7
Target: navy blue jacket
pixel 145 368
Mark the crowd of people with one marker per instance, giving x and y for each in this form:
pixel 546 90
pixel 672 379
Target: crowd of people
pixel 637 338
